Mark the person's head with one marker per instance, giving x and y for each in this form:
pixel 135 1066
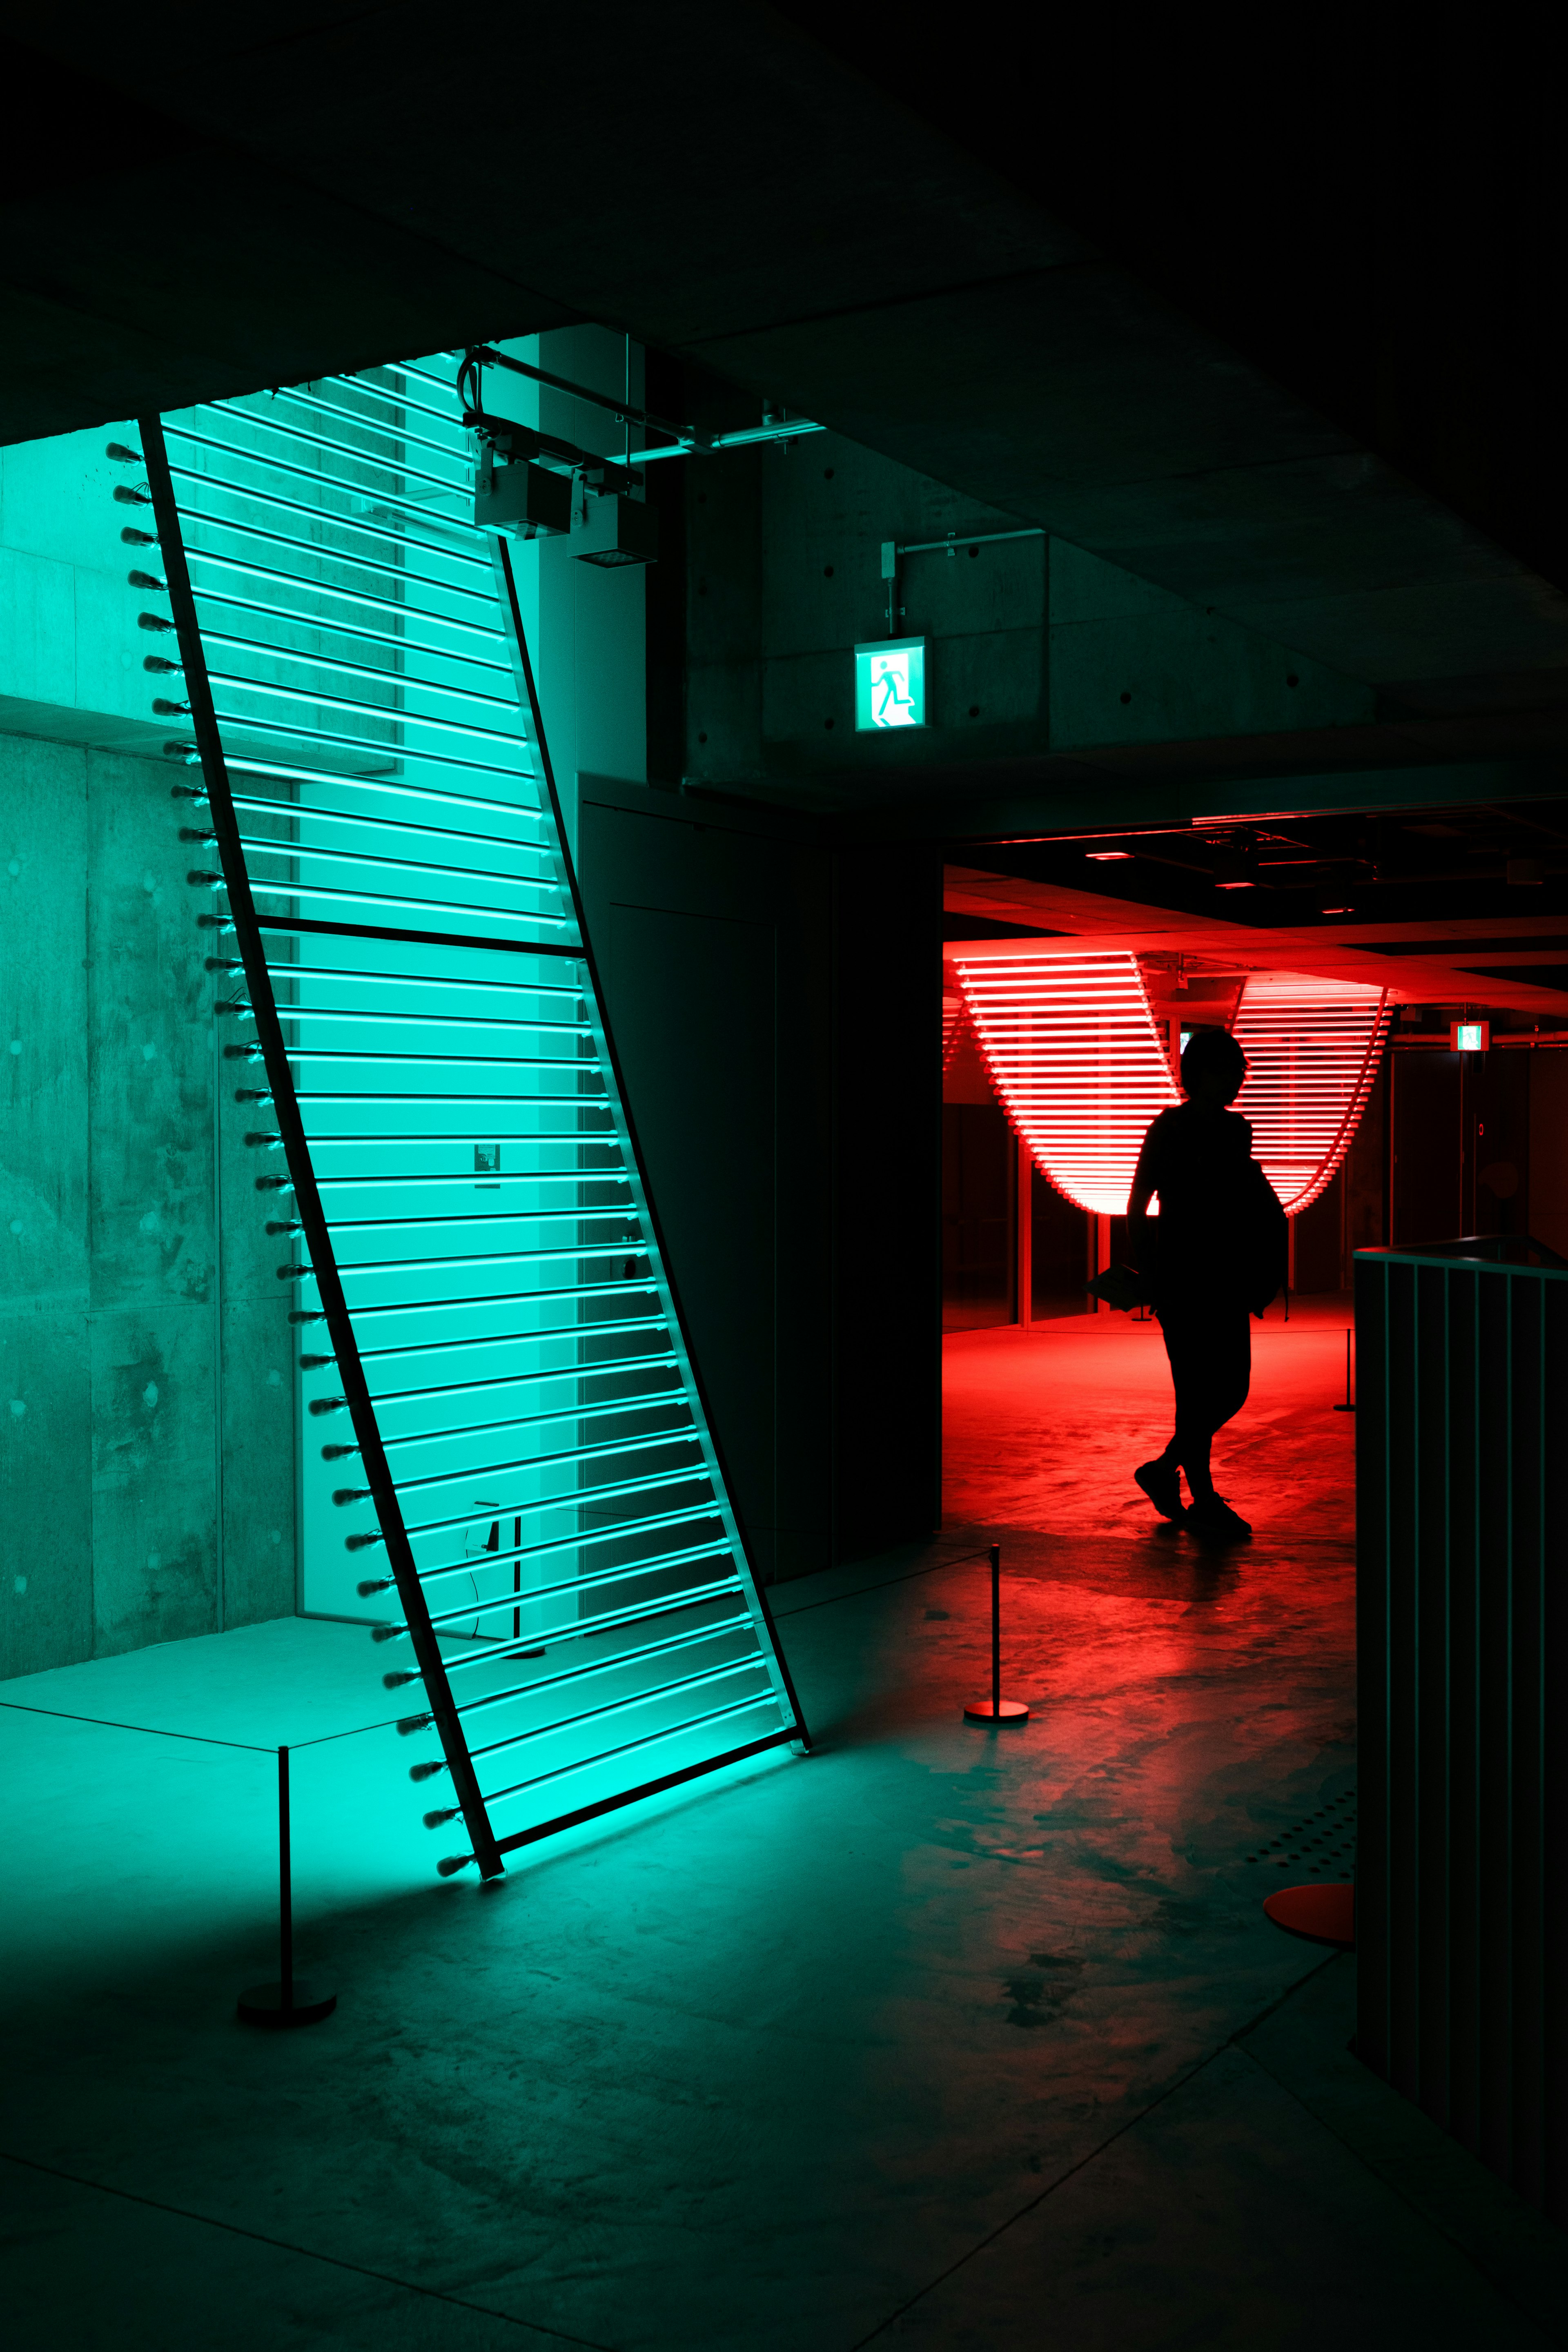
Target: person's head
pixel 1212 1068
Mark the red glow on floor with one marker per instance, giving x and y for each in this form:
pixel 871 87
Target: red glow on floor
pixel 1043 1429
pixel 1190 1703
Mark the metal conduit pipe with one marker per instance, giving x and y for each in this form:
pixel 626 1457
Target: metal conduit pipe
pixel 895 550
pixel 685 440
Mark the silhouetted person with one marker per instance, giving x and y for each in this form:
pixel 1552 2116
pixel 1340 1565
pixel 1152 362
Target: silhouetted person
pixel 1214 1253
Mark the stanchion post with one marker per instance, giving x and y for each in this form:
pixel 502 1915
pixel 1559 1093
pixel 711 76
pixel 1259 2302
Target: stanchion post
pixel 285 1889
pixel 997 1709
pixel 1347 1406
pixel 995 1632
pixel 285 2002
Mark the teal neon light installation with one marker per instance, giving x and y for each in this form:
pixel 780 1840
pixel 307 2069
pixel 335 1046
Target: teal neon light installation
pixel 504 1429
pixel 890 683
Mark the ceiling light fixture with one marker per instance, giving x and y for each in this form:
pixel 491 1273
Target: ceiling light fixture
pixel 615 531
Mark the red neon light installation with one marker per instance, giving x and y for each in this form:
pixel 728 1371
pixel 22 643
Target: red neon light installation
pixel 1076 1062
pixel 1312 1048
pixel 951 1022
pixel 1071 1048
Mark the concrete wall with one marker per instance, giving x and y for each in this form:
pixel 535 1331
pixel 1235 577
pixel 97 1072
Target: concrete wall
pixel 583 623
pixel 1549 1150
pixel 70 665
pixel 147 1476
pixel 1034 646
pixel 146 1398
pixel 773 1001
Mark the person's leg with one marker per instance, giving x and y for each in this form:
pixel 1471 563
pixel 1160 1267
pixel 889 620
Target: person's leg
pixel 1211 1370
pixel 1195 1423
pixel 1161 1478
pixel 1181 1332
pixel 1220 1376
pixel 1231 1364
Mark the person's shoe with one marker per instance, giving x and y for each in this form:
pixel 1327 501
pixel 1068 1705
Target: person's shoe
pixel 1212 1515
pixel 1162 1482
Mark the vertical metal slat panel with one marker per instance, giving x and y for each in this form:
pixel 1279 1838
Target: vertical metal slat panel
pixel 1494 1969
pixel 1402 1777
pixel 1464 1714
pixel 1429 1840
pixel 1372 1514
pixel 1554 1754
pixel 1462 1542
pixel 1526 1466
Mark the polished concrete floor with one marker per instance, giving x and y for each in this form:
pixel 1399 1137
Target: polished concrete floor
pixel 1044 1427
pixel 939 2037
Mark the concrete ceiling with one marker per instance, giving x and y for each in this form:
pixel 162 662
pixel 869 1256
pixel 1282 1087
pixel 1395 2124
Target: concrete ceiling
pixel 220 201
pixel 1405 959
pixel 1446 905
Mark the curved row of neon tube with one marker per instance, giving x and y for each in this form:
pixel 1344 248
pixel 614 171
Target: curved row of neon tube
pixel 1071 1048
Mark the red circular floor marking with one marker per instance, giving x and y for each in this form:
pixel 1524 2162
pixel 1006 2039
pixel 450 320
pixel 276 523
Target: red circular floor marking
pixel 1324 1913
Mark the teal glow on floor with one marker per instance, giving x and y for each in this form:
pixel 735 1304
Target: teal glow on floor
pixel 930 2037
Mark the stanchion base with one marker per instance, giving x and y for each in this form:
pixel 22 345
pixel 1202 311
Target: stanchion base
pixel 1323 1914
pixel 1011 1710
pixel 263 2004
pixel 1343 1408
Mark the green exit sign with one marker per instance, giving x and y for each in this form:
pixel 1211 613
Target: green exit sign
pixel 890 683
